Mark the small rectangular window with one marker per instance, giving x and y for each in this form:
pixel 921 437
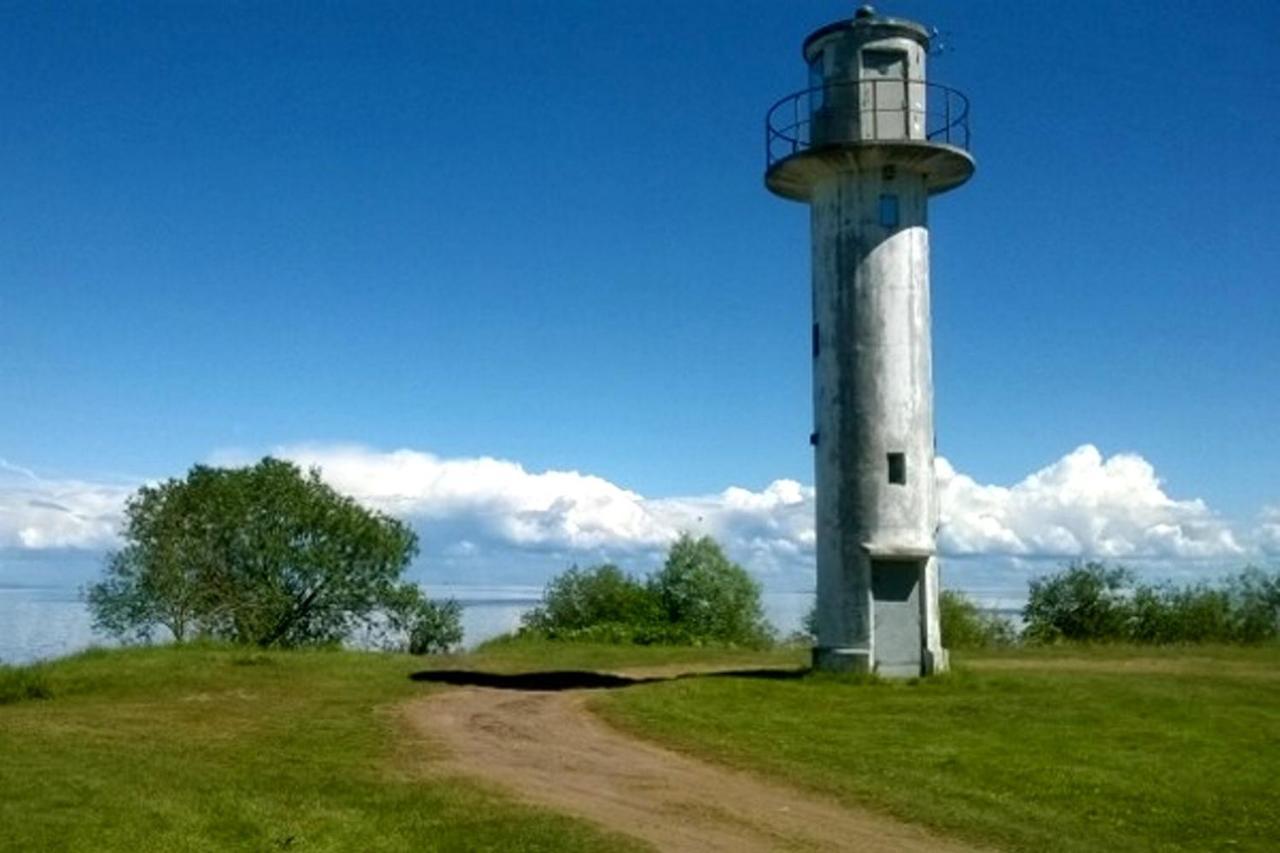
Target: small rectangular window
pixel 898 469
pixel 817 85
pixel 888 210
pixel 817 342
pixel 891 64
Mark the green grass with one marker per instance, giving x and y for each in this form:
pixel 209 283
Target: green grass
pixel 219 749
pixel 511 654
pixel 19 683
pixel 1070 748
pixel 1061 749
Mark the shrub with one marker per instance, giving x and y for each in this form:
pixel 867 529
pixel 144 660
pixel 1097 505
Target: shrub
pixel 435 627
pixel 704 594
pixel 20 683
pixel 1168 614
pixel 1085 601
pixel 1255 601
pixel 807 633
pixel 590 598
pixel 967 626
pixel 1091 602
pixel 1244 609
pixel 698 596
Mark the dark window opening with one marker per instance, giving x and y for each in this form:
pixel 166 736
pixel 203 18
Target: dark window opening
pixel 813 439
pixel 888 210
pixel 898 469
pixel 817 345
pixel 817 84
pixel 885 63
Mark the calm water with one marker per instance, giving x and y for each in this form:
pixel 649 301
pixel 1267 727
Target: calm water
pixel 43 622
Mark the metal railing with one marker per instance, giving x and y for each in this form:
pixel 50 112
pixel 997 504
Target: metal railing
pixel 866 111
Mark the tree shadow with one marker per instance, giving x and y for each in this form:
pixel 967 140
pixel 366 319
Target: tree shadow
pixel 557 680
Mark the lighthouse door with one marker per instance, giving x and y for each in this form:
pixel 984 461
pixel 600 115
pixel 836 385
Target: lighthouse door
pixel 897 638
pixel 885 101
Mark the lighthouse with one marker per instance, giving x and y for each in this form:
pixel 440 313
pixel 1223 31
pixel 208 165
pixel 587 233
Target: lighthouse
pixel 866 145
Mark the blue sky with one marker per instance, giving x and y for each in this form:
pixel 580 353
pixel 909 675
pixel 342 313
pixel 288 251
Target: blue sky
pixel 537 232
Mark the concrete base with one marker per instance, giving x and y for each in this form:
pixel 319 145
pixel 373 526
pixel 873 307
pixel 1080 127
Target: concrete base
pixel 841 660
pixel 859 661
pixel 937 664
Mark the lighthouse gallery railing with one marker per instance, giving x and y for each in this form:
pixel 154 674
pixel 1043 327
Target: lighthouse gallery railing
pixel 869 111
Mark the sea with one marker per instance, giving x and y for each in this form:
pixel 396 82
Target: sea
pixel 41 622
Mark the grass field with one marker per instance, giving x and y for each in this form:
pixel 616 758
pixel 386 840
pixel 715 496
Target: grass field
pixel 206 749
pixel 527 655
pixel 1060 749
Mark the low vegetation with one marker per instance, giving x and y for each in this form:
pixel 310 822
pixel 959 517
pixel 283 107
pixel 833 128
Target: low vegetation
pixel 1093 602
pixel 698 597
pixel 18 683
pixel 1060 747
pixel 965 625
pixel 213 748
pixel 1096 603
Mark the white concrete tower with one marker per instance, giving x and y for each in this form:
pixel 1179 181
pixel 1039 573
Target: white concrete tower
pixel 865 146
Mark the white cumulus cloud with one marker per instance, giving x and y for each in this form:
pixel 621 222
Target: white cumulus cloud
pixel 473 511
pixel 1082 505
pixel 38 513
pixel 480 501
pixel 564 509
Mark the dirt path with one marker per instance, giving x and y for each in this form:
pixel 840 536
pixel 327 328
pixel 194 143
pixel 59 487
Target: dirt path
pixel 548 749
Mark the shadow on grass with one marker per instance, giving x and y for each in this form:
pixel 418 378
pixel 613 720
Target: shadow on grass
pixel 556 680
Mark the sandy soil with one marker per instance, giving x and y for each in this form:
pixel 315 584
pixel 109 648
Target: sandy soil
pixel 546 748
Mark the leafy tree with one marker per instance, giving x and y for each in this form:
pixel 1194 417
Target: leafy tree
pixel 708 597
pixel 809 625
pixel 1255 597
pixel 698 596
pixel 1169 614
pixel 1085 601
pixel 1091 602
pixel 967 626
pixel 434 627
pixel 588 598
pixel 264 554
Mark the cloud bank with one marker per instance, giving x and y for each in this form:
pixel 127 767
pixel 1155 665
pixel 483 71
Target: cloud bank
pixel 1083 505
pixel 1269 531
pixel 475 511
pixel 38 513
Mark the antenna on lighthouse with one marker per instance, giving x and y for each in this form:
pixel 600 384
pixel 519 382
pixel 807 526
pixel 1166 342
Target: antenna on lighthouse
pixel 939 42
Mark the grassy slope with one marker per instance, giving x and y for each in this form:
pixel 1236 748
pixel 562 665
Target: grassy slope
pixel 1057 750
pixel 508 654
pixel 207 749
